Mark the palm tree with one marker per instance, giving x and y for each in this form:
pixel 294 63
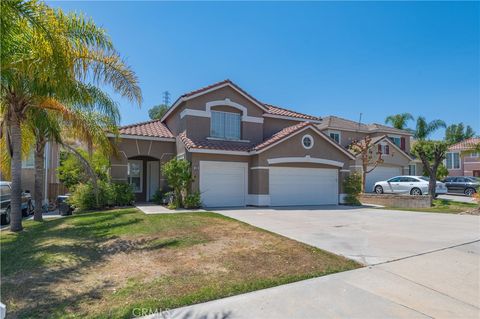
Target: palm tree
pixel 46 57
pixel 399 121
pixel 424 129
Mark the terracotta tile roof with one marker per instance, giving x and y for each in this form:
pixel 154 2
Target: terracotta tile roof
pixel 281 134
pixel 214 144
pixel 206 88
pixel 465 145
pixel 335 122
pixel 276 110
pixel 240 146
pixel 153 128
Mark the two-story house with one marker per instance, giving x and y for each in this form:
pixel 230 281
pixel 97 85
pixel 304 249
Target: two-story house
pixel 393 145
pixel 461 160
pixel 243 151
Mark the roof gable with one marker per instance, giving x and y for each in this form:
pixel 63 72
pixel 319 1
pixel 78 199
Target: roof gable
pixel 155 129
pixel 210 88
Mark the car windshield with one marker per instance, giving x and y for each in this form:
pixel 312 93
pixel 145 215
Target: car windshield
pixel 473 179
pixel 425 178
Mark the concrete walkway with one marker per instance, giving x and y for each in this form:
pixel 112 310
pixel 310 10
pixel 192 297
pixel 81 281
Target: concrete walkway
pixel 457 198
pixel 420 265
pixel 153 209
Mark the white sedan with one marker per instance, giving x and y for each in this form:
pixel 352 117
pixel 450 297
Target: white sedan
pixel 413 185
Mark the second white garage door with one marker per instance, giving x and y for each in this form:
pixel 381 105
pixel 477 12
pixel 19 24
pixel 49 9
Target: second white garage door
pixel 380 173
pixel 303 186
pixel 223 184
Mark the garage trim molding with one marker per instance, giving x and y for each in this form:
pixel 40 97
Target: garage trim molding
pixel 306 159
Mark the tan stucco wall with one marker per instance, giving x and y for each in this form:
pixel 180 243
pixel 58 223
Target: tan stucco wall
pixel 293 147
pixel 273 125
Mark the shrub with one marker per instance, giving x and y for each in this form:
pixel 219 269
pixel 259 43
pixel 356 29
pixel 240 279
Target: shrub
pixel 193 200
pixel 109 194
pixel 353 187
pixel 121 194
pixel 158 197
pixel 179 177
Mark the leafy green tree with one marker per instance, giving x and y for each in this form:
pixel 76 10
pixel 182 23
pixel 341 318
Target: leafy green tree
pixel 432 154
pixel 157 111
pixel 425 129
pixel 458 132
pixel 399 121
pixel 71 172
pixel 179 177
pixel 51 60
pixel 442 172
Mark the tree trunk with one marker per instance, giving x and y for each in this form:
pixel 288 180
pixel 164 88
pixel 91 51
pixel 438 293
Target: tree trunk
pixel 432 184
pixel 364 178
pixel 16 174
pixel 39 177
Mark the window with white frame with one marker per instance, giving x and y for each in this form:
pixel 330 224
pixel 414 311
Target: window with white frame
pixel 452 161
pixel 29 162
pixel 474 154
pixel 334 135
pixel 135 175
pixel 412 169
pixel 396 140
pixel 225 125
pixel 384 148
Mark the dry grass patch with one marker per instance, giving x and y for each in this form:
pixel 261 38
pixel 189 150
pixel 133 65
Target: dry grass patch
pixel 103 265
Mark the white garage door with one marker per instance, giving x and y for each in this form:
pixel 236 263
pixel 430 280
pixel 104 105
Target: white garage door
pixel 380 173
pixel 303 186
pixel 223 184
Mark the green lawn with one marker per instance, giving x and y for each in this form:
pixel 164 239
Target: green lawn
pixel 105 264
pixel 443 206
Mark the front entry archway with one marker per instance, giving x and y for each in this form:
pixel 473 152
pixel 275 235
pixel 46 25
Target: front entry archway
pixel 144 176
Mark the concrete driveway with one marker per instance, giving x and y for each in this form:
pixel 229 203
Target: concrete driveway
pixel 367 235
pixel 420 265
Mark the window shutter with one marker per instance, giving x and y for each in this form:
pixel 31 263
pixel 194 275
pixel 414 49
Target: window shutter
pixel 387 149
pixel 379 148
pixel 402 143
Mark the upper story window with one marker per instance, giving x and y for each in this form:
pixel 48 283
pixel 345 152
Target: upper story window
pixel 29 162
pixel 335 136
pixel 396 140
pixel 452 160
pixel 225 125
pixel 384 149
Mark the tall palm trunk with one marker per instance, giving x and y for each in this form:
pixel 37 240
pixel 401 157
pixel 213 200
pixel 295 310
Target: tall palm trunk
pixel 16 173
pixel 39 176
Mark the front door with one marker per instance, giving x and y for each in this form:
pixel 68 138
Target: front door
pixel 153 176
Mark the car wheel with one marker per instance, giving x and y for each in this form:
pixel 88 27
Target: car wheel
pixel 469 192
pixel 379 189
pixel 5 220
pixel 415 191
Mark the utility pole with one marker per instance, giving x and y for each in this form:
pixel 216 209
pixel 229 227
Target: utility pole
pixel 166 98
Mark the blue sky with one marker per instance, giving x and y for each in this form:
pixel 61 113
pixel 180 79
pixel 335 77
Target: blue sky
pixel 320 58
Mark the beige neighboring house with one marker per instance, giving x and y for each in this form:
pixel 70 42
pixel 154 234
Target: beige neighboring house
pixel 394 144
pixel 52 186
pixel 245 152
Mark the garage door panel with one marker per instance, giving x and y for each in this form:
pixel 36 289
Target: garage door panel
pixel 303 186
pixel 223 184
pixel 380 173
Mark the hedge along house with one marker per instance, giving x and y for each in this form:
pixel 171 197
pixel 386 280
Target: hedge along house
pixel 242 151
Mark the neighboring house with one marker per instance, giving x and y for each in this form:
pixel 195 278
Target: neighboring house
pixel 52 186
pixel 245 152
pixel 394 144
pixel 461 161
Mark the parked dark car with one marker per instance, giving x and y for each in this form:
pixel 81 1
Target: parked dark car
pixel 462 184
pixel 5 197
